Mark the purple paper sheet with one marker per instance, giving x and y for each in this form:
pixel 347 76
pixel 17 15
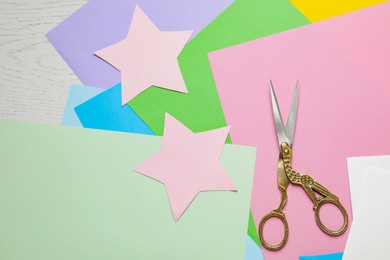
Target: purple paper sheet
pixel 100 23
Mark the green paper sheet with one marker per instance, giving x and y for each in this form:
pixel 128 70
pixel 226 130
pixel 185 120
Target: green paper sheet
pixel 70 193
pixel 252 230
pixel 201 110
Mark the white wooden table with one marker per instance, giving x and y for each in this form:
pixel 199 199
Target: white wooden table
pixel 34 79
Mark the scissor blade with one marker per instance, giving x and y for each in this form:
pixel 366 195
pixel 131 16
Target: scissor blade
pixel 279 125
pixel 292 116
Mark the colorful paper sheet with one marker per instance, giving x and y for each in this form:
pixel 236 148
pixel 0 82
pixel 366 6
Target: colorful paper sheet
pixel 323 9
pixel 337 256
pixel 70 193
pixel 337 118
pixel 357 169
pixel 101 23
pixel 105 111
pixel 201 110
pixel 76 95
pixel 368 238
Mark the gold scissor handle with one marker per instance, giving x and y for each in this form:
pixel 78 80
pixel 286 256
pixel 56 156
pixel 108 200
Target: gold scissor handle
pixel 311 186
pixel 321 225
pixel 277 213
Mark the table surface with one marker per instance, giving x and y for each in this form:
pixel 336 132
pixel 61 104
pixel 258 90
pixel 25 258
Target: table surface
pixel 34 79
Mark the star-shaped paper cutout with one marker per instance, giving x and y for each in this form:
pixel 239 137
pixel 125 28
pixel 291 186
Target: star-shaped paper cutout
pixel 147 57
pixel 188 163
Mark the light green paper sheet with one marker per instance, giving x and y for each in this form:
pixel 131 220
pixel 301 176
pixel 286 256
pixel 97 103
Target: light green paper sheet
pixel 201 110
pixel 69 193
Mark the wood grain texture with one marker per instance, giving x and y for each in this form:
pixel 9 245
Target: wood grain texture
pixel 34 79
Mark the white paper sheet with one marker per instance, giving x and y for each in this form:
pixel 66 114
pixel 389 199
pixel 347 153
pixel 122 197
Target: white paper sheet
pixel 369 234
pixel 356 171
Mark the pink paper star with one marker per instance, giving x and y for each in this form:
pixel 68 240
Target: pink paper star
pixel 147 57
pixel 188 163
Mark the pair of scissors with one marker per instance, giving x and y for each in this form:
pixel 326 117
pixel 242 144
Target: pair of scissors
pixel 287 174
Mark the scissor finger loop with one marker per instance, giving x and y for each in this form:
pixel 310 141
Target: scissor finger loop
pixel 311 186
pixel 277 213
pixel 330 200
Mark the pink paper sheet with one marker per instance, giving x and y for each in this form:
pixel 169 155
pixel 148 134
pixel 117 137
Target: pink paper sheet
pixel 142 62
pixel 188 163
pixel 342 112
pixel 364 36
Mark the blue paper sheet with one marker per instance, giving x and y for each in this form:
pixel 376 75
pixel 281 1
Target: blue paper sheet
pixel 77 95
pixel 105 111
pixel 252 250
pixel 336 256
